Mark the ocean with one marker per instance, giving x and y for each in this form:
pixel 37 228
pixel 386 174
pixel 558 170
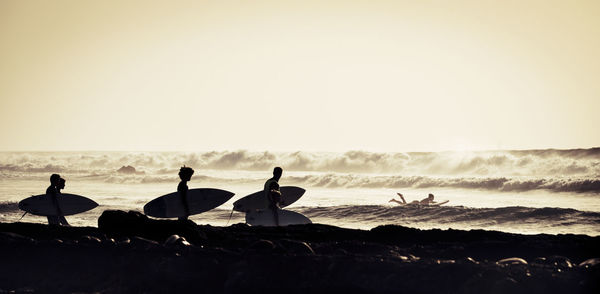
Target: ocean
pixel 519 191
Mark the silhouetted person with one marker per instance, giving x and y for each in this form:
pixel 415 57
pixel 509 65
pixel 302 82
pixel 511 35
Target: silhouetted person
pixel 52 193
pixel 185 174
pixel 425 201
pixel 272 193
pixel 61 185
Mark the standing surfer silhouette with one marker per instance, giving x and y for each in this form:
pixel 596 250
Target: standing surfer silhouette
pixel 61 218
pixel 185 174
pixel 272 193
pixel 52 193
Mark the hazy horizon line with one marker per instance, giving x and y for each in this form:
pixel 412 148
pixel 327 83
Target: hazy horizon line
pixel 292 151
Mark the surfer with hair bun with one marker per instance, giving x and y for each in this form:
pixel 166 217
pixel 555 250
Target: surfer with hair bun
pixel 272 193
pixel 52 192
pixel 185 174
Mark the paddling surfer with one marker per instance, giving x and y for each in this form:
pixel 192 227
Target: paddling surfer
pixel 52 193
pixel 185 174
pixel 425 201
pixel 272 193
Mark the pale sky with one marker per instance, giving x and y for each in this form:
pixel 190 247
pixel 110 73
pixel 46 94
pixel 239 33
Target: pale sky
pixel 301 75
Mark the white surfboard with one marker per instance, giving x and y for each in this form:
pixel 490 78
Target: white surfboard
pixel 289 195
pixel 199 200
pixel 264 217
pixel 69 204
pixel 439 203
pixel 419 204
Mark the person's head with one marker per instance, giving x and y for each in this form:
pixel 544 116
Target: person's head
pixel 61 183
pixel 54 178
pixel 430 196
pixel 277 171
pixel 185 173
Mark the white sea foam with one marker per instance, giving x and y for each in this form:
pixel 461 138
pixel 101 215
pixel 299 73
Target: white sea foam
pixel 349 189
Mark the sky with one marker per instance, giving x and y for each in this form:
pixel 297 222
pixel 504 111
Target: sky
pixel 299 75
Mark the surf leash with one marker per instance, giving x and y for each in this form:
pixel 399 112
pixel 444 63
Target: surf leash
pixel 229 217
pixel 22 216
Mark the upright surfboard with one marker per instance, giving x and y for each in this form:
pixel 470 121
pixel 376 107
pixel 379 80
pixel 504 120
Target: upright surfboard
pixel 265 217
pixel 199 200
pixel 69 204
pixel 289 195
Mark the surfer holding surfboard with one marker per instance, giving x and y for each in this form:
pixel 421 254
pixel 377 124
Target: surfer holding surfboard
pixel 185 174
pixel 52 192
pixel 272 193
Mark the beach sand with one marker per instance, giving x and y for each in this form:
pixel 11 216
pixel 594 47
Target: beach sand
pixel 130 253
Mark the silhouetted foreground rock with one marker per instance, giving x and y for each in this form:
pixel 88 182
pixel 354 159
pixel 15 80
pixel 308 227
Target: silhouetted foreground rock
pixel 130 253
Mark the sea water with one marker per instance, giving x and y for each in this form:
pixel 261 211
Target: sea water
pixel 530 191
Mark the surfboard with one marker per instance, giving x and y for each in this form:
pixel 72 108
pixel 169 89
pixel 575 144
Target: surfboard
pixel 199 200
pixel 439 203
pixel 264 217
pixel 289 195
pixel 419 204
pixel 69 204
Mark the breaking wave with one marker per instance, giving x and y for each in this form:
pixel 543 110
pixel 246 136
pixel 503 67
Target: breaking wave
pixel 458 216
pixel 499 184
pixel 574 170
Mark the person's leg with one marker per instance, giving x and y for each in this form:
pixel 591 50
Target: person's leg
pixel 52 220
pixel 274 209
pixel 63 221
pixel 402 197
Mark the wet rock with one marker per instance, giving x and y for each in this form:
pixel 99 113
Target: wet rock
pixel 505 285
pixel 123 241
pixel 243 259
pixel 560 261
pixel 590 263
pixel 12 238
pixel 133 223
pixel 296 247
pixel 139 241
pixel 176 241
pixel 445 261
pixel 57 241
pixel 90 240
pixel 109 241
pixel 512 261
pixel 261 246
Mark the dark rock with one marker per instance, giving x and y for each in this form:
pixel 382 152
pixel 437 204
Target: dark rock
pixel 296 247
pixel 590 263
pixel 133 223
pixel 261 246
pixel 512 261
pixel 127 170
pixel 150 256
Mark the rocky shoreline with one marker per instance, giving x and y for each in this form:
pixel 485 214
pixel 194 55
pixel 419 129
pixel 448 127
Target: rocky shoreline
pixel 130 253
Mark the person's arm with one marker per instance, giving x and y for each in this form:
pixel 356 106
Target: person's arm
pixel 52 193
